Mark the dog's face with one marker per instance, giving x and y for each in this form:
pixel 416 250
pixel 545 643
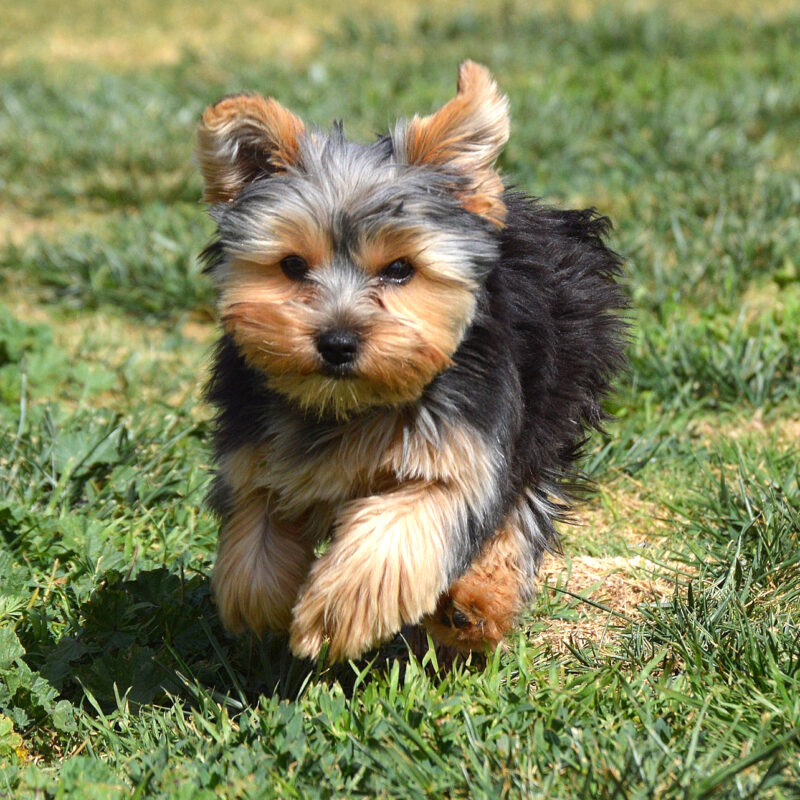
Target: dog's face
pixel 348 273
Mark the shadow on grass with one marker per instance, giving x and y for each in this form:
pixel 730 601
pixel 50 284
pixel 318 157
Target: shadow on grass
pixel 157 636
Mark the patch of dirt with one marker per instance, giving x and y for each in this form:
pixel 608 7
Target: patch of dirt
pixel 781 429
pixel 762 298
pixel 618 583
pixel 623 510
pixel 203 332
pixel 16 226
pixel 80 32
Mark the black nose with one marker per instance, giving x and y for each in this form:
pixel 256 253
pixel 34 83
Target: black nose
pixel 338 347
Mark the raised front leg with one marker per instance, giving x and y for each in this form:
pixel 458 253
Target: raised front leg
pixel 261 564
pixel 391 557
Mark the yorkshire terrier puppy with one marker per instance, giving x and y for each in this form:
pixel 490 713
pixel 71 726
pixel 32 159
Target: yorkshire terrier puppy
pixel 411 358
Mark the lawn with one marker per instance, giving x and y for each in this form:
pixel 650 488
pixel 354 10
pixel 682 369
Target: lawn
pixel 662 656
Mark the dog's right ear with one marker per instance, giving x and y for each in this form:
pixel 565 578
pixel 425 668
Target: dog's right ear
pixel 242 137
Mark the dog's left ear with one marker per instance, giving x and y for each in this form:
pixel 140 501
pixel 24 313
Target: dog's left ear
pixel 243 137
pixel 465 136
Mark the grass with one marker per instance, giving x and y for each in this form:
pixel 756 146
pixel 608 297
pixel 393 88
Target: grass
pixel 662 656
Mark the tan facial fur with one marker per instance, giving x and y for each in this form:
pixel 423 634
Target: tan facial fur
pixel 408 332
pixel 268 317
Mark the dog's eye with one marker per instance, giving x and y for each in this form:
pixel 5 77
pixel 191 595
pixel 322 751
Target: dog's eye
pixel 399 271
pixel 294 267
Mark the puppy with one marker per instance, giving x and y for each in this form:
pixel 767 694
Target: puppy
pixel 410 361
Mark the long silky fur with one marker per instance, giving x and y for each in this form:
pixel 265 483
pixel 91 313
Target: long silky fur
pixel 530 375
pixel 535 329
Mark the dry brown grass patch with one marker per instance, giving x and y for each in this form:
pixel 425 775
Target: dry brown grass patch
pixel 16 226
pixel 86 32
pixel 781 430
pixel 763 298
pixel 619 584
pixel 624 514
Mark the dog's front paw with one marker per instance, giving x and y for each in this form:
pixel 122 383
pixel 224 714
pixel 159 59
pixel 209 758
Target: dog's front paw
pixel 307 643
pixel 383 570
pixel 349 607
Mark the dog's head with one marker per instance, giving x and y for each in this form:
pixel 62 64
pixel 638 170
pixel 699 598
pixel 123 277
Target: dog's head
pixel 348 273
